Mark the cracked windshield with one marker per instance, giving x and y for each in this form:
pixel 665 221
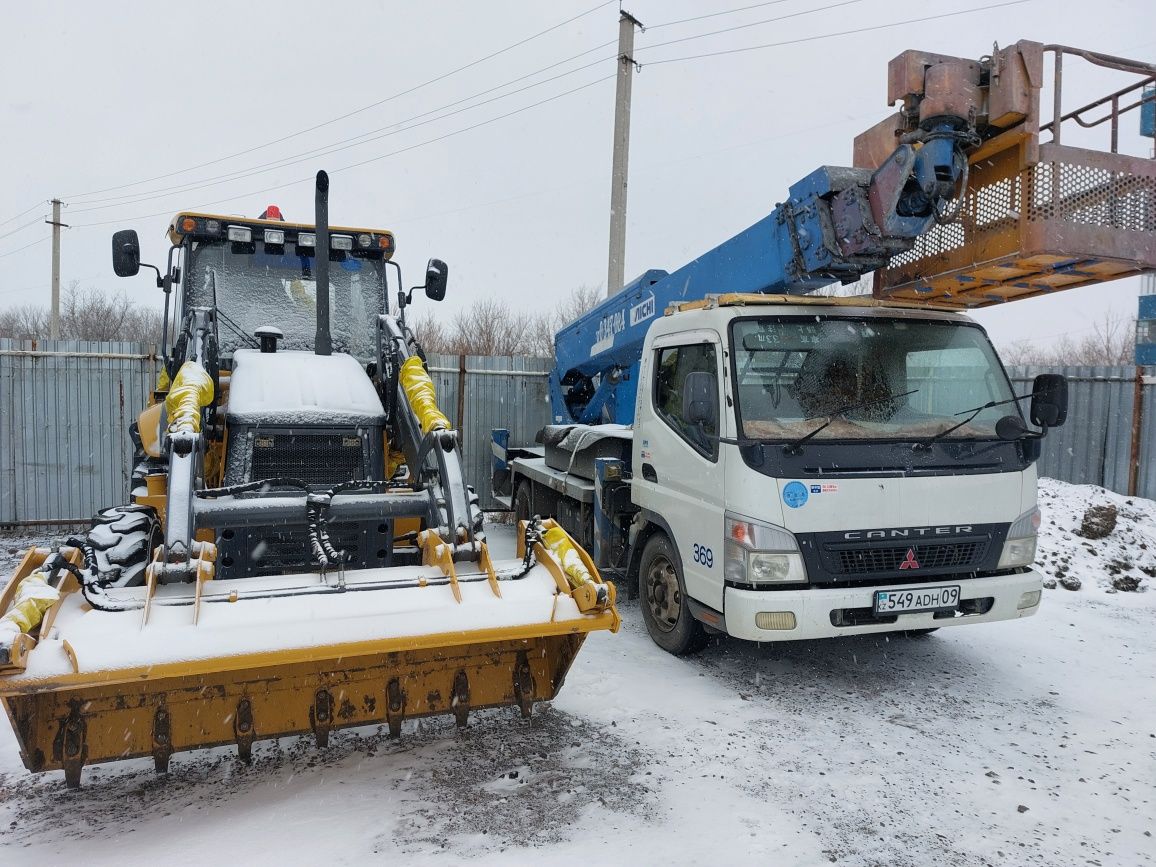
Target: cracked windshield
pixel 877 378
pixel 266 287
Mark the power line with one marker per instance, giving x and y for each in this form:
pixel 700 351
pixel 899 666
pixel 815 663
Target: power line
pixel 22 213
pixel 442 137
pixel 713 15
pixel 391 130
pixel 25 247
pixel 751 24
pixel 345 144
pixel 831 35
pixel 349 114
pixel 20 228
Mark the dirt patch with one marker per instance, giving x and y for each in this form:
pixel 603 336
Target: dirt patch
pixel 1099 522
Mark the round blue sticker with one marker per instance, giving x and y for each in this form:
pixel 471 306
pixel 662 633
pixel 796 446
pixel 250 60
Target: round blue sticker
pixel 795 494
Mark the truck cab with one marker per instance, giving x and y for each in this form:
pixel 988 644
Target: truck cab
pixel 808 468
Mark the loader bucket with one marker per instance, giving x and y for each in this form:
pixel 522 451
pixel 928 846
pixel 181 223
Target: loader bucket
pixel 185 666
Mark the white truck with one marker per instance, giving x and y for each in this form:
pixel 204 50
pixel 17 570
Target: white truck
pixel 774 466
pixel 805 468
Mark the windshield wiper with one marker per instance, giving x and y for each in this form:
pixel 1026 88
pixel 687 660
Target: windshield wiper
pixel 793 448
pixel 971 414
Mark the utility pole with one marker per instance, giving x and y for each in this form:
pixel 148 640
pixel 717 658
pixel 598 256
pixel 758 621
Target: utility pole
pixel 54 323
pixel 615 272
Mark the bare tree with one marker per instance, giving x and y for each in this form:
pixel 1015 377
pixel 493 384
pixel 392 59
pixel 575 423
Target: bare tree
pixel 491 327
pixel 1112 342
pixel 85 314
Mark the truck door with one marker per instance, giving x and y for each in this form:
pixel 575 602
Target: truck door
pixel 678 472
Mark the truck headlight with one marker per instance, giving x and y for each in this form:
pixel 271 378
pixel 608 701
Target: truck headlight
pixel 757 553
pixel 1020 547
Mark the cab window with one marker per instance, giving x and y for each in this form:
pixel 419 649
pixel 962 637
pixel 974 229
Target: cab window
pixel 672 364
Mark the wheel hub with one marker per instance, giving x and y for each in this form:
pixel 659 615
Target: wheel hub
pixel 662 594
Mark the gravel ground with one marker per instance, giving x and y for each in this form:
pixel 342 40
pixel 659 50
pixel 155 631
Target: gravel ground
pixel 1030 742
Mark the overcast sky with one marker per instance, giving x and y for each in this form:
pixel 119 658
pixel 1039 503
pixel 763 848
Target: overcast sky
pixel 97 96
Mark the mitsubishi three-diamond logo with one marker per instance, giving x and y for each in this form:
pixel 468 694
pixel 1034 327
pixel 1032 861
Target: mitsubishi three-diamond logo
pixel 910 562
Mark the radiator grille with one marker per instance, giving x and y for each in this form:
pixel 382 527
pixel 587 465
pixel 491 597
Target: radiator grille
pixel 871 561
pixel 318 459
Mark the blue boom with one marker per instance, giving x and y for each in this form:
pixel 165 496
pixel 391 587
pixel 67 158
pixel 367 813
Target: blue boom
pixel 837 225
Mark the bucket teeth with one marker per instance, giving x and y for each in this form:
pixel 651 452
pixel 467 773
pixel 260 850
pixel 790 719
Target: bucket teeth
pixel 70 747
pixel 321 716
pixel 162 739
pixel 394 707
pixel 460 698
pixel 524 685
pixel 243 730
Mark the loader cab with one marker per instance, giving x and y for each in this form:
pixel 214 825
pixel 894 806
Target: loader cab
pixel 258 273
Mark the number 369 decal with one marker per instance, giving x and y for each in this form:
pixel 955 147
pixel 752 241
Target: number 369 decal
pixel 704 555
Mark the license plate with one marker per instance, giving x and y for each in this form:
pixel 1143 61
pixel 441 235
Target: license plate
pixel 921 599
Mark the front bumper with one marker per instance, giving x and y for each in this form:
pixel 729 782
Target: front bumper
pixel 817 610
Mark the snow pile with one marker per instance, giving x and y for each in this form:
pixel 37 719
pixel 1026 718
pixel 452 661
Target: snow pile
pixel 1095 539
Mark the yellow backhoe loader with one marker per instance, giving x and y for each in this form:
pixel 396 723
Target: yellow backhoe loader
pixel 300 552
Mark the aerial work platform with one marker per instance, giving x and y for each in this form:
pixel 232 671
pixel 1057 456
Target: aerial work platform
pixel 1038 216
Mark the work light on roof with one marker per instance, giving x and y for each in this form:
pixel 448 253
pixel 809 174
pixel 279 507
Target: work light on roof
pixel 341 242
pixel 241 234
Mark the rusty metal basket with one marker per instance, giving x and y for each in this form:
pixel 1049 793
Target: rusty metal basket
pixel 1040 217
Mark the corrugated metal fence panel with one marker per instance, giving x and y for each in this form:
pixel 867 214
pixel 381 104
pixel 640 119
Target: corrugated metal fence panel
pixel 500 391
pixel 65 411
pixel 1146 485
pixel 1094 445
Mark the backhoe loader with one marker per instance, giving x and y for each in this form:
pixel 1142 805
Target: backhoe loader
pixel 300 551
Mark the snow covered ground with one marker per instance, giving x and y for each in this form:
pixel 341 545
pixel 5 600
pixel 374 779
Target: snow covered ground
pixel 1030 742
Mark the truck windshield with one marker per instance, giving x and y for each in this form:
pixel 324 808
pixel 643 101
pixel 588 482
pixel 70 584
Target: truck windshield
pixel 251 289
pixel 909 378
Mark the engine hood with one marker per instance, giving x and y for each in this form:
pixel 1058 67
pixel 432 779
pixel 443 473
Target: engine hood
pixel 301 388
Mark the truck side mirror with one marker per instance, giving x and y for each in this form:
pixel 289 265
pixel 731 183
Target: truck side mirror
pixel 125 253
pixel 700 399
pixel 437 273
pixel 1049 400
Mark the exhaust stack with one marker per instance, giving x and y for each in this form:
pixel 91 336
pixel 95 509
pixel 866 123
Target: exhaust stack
pixel 322 344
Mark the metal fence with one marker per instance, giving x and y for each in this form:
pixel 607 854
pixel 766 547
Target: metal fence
pixel 66 407
pixel 65 411
pixel 1107 437
pixel 480 393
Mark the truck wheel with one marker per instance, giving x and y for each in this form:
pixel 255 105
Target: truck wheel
pixel 523 509
pixel 123 538
pixel 664 605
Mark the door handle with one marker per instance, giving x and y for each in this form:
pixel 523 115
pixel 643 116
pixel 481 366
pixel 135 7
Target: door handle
pixel 648 473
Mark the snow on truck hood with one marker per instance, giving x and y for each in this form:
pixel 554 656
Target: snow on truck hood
pixel 291 387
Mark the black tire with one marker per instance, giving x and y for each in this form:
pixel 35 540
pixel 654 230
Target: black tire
pixel 663 599
pixel 123 539
pixel 523 508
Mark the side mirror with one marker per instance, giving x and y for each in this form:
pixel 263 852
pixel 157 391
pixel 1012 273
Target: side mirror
pixel 1010 428
pixel 700 398
pixel 125 253
pixel 1049 400
pixel 437 273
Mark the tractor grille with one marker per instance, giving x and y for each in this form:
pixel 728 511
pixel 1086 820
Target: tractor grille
pixel 317 459
pixel 871 561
